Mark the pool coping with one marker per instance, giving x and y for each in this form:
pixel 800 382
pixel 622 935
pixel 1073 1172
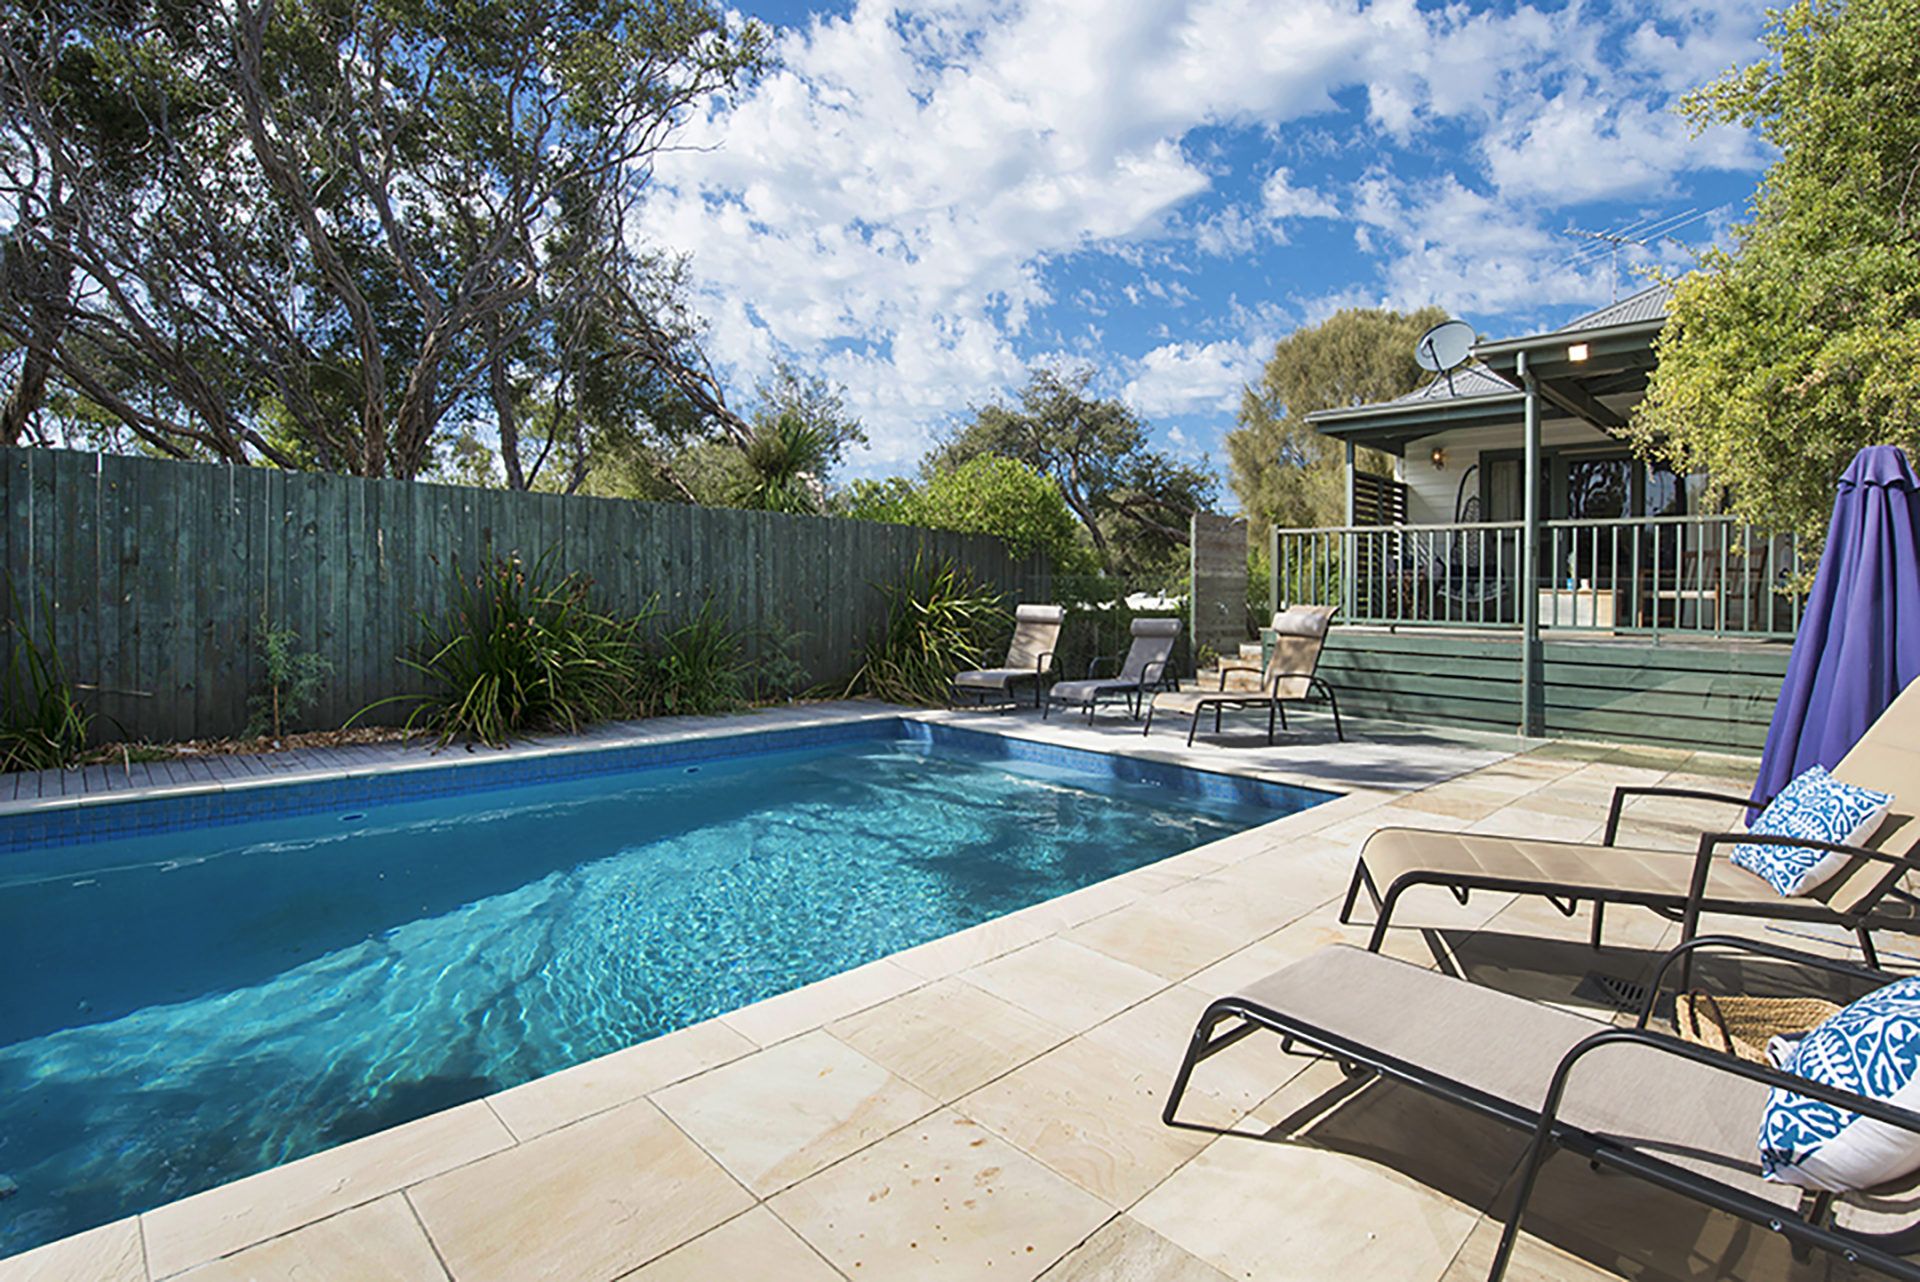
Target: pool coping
pixel 237 1206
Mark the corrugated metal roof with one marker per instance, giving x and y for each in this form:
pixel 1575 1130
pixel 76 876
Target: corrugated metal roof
pixel 1650 304
pixel 1468 380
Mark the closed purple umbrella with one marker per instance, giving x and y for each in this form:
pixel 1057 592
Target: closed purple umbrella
pixel 1859 642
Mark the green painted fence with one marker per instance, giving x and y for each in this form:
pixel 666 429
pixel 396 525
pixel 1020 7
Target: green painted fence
pixel 157 575
pixel 1703 695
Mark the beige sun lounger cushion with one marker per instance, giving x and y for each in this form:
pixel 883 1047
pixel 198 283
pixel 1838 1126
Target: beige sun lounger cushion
pixel 1887 758
pixel 1506 1048
pixel 1147 657
pixel 1036 634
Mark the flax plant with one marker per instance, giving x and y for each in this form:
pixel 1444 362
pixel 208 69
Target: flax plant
pixel 940 620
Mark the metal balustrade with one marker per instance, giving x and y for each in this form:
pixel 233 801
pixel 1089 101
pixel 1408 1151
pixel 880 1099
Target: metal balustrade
pixel 1708 575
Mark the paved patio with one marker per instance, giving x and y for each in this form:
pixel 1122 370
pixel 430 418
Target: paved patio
pixel 987 1105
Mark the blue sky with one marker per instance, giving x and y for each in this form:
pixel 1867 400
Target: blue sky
pixel 930 197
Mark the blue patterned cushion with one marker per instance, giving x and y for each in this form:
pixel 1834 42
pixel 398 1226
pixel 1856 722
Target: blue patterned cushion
pixel 1818 806
pixel 1871 1048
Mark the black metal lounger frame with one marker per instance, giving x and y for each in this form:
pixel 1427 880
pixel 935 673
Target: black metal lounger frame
pixel 1687 910
pixel 1810 1229
pixel 1130 694
pixel 1224 699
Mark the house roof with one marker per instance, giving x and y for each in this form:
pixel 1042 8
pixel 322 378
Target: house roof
pixel 1606 353
pixel 1649 304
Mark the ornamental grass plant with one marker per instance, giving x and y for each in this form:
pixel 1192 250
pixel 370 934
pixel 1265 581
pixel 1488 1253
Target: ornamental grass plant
pixel 940 620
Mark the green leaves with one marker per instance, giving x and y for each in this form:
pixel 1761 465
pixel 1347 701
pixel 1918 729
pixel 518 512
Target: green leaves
pixel 940 620
pixel 987 494
pixel 42 725
pixel 1283 471
pixel 1782 358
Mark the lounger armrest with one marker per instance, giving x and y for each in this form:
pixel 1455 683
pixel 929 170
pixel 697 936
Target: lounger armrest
pixel 1620 795
pixel 1878 1110
pixel 1093 664
pixel 1041 664
pixel 1712 841
pixel 1757 948
pixel 1154 673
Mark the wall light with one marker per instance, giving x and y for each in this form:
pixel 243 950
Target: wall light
pixel 1577 352
pixel 1439 458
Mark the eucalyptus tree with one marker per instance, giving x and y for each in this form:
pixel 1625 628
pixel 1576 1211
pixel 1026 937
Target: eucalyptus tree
pixel 353 222
pixel 1799 342
pixel 1133 501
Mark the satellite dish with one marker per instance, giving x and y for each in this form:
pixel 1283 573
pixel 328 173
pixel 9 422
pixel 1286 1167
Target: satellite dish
pixel 1444 348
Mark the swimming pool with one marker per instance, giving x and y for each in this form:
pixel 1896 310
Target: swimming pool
pixel 194 991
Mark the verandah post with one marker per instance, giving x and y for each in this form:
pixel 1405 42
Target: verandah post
pixel 1530 720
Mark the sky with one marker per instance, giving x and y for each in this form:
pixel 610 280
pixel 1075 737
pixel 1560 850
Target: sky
pixel 928 199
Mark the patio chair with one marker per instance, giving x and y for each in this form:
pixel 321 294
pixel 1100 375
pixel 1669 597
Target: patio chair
pixel 1864 896
pixel 1036 631
pixel 1299 634
pixel 1632 1100
pixel 1143 670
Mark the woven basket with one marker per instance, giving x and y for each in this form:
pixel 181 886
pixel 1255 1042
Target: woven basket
pixel 1743 1026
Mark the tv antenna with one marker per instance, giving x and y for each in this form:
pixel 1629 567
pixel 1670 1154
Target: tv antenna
pixel 1635 235
pixel 1443 349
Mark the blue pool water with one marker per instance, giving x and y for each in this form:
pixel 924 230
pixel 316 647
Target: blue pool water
pixel 180 1008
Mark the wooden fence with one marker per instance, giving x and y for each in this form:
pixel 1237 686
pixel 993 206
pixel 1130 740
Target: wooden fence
pixel 156 575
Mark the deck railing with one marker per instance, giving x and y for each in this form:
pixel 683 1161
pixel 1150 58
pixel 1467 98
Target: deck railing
pixel 1710 575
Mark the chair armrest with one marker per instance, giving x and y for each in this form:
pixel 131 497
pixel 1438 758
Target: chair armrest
pixel 1093 664
pixel 1712 841
pixel 1155 673
pixel 1041 664
pixel 1621 793
pixel 1759 948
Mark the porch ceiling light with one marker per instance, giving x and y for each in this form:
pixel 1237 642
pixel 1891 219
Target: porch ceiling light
pixel 1577 352
pixel 1439 458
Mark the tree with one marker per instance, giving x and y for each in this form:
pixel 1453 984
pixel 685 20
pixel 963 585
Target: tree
pixel 1784 355
pixel 348 224
pixel 1134 502
pixel 1283 471
pixel 986 494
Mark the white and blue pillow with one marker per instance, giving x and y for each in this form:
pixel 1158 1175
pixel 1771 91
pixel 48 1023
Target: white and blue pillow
pixel 1816 806
pixel 1871 1048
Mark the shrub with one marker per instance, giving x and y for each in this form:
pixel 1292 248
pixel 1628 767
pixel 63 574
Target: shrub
pixel 940 620
pixel 521 650
pixel 294 681
pixel 42 725
pixel 698 669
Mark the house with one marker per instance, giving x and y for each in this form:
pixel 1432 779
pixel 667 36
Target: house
pixel 1519 566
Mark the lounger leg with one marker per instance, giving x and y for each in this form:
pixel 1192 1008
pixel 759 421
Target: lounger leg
pixel 1203 1044
pixel 1867 949
pixel 1148 728
pixel 1599 918
pixel 1271 709
pixel 1529 1172
pixel 1383 917
pixel 1193 724
pixel 1360 878
pixel 1281 708
pixel 1216 718
pixel 1338 731
pixel 1046 710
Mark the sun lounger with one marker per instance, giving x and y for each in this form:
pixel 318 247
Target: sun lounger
pixel 1863 897
pixel 1144 669
pixel 1288 676
pixel 1036 633
pixel 1629 1099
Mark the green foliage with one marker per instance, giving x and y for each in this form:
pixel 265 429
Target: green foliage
pixel 786 463
pixel 1100 622
pixel 294 681
pixel 1784 356
pixel 1133 502
pixel 521 649
pixel 940 620
pixel 1284 472
pixel 987 494
pixel 42 725
pixel 698 669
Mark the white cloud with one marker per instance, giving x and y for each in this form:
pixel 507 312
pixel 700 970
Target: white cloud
pixel 1186 378
pixel 890 206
